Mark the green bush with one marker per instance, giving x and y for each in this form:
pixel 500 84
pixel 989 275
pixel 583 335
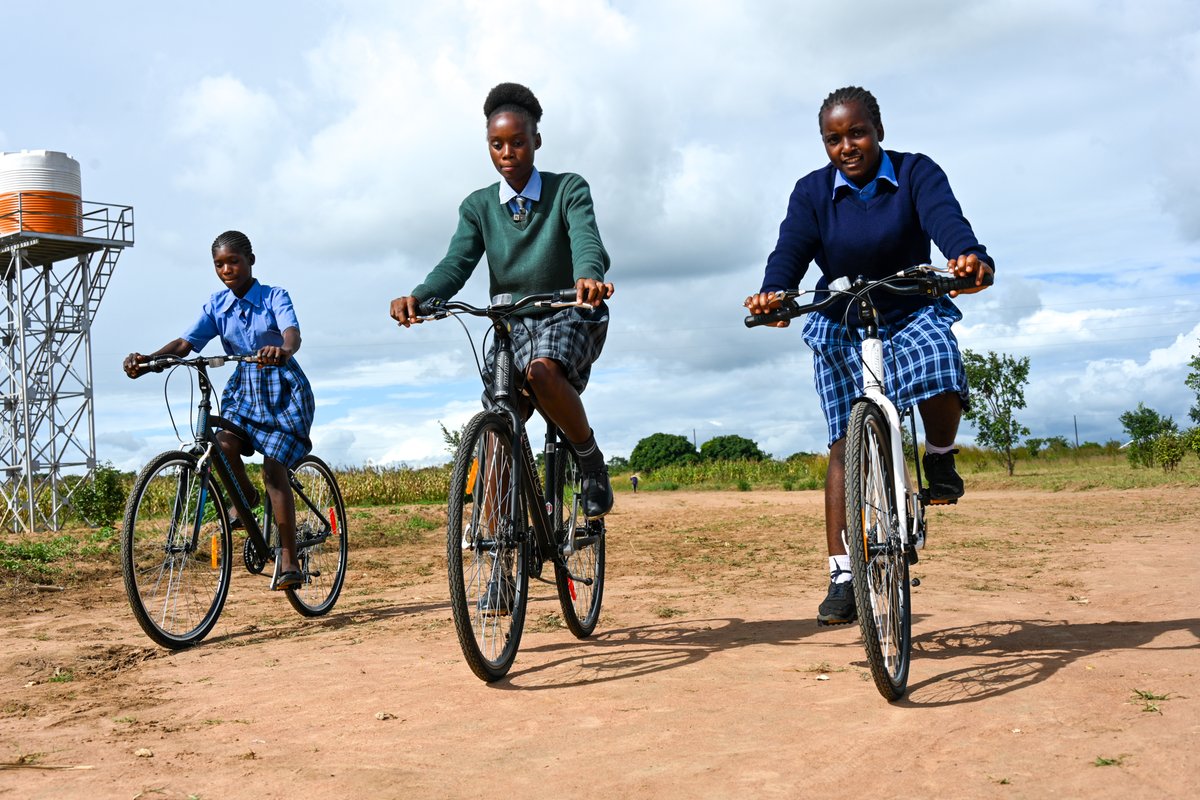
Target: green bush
pixel 1169 451
pixel 101 500
pixel 731 448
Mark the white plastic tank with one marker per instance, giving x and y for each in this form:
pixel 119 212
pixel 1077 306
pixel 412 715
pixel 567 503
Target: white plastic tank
pixel 40 191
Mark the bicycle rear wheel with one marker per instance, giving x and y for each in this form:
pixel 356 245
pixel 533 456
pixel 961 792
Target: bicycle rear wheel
pixel 321 543
pixel 580 576
pixel 485 551
pixel 877 557
pixel 176 550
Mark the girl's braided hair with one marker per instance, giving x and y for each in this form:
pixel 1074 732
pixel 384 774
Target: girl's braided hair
pixel 234 240
pixel 852 94
pixel 513 98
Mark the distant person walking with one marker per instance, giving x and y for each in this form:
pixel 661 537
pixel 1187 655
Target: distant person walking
pixel 634 480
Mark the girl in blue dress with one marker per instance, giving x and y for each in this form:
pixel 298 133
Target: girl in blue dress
pixel 874 212
pixel 272 400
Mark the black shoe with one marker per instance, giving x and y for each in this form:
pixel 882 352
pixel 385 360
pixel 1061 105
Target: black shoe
pixel 945 485
pixel 597 494
pixel 838 606
pixel 497 599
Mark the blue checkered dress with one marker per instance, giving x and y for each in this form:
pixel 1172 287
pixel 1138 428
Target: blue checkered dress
pixel 275 406
pixel 920 353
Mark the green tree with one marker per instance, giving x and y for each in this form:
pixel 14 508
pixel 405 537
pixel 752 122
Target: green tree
pixel 451 438
pixel 731 448
pixel 1169 450
pixel 999 380
pixel 660 449
pixel 1193 382
pixel 618 463
pixel 1144 425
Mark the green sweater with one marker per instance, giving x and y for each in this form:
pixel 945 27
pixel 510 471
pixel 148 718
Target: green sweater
pixel 556 245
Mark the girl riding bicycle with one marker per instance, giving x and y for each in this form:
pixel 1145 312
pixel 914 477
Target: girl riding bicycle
pixel 871 213
pixel 275 406
pixel 538 231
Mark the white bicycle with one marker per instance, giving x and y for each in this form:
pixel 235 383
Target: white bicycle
pixel 883 534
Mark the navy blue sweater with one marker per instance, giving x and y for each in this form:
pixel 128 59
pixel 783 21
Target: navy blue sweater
pixel 881 236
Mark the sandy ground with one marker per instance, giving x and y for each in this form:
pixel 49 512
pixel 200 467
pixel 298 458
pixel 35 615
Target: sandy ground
pixel 1057 652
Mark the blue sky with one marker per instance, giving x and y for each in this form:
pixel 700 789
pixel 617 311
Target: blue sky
pixel 342 136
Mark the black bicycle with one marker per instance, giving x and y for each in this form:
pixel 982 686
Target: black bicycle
pixel 885 510
pixel 177 545
pixel 503 523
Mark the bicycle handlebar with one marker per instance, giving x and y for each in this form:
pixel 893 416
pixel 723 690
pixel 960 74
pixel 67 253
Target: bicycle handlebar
pixel 501 305
pixel 916 280
pixel 160 363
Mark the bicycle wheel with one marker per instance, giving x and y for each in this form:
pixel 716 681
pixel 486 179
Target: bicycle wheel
pixel 485 551
pixel 321 543
pixel 877 557
pixel 176 551
pixel 580 576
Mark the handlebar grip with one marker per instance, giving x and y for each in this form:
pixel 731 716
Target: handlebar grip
pixel 783 313
pixel 966 282
pixel 565 296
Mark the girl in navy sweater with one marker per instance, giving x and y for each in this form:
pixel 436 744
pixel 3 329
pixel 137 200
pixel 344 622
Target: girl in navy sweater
pixel 873 212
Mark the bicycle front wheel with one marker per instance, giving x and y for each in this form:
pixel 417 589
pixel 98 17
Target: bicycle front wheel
pixel 878 561
pixel 579 573
pixel 176 550
pixel 486 548
pixel 321 543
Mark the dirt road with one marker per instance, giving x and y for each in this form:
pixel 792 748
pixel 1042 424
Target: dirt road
pixel 1057 654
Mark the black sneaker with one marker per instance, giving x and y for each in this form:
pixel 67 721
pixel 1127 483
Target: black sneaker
pixel 945 486
pixel 597 493
pixel 497 599
pixel 838 606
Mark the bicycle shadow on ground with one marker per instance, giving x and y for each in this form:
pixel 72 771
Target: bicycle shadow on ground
pixel 335 620
pixel 1018 654
pixel 637 651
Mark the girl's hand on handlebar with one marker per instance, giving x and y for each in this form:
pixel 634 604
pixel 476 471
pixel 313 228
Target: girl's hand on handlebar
pixel 967 265
pixel 591 291
pixel 272 356
pixel 133 364
pixel 404 311
pixel 763 302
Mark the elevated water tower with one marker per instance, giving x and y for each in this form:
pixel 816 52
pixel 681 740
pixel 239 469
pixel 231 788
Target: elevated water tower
pixel 57 255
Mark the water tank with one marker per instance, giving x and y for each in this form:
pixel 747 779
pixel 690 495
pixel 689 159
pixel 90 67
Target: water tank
pixel 40 192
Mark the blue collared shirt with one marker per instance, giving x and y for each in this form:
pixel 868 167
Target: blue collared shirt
pixel 531 192
pixel 886 173
pixel 245 324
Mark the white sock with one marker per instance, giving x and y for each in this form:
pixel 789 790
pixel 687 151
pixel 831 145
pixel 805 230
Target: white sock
pixel 937 451
pixel 839 569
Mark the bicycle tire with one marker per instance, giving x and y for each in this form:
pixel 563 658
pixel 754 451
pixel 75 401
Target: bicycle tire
pixel 321 539
pixel 176 550
pixel 580 578
pixel 483 549
pixel 878 561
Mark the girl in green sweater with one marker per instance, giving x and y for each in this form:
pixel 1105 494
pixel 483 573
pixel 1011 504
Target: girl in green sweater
pixel 538 231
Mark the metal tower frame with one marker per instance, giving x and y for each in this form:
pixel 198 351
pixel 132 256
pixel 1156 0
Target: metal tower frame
pixel 53 284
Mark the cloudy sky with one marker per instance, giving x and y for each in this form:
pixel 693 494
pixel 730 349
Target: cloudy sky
pixel 341 137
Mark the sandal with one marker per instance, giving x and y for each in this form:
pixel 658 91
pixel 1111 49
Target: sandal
pixel 291 579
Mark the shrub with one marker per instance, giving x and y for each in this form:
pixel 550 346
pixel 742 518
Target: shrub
pixel 101 500
pixel 1169 451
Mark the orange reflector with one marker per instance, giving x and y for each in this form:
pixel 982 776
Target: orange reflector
pixel 472 475
pixel 216 560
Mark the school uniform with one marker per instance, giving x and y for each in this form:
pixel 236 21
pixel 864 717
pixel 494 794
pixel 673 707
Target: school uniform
pixel 876 231
pixel 541 239
pixel 274 405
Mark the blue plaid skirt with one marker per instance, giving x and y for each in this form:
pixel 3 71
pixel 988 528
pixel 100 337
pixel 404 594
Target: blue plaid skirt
pixel 920 355
pixel 574 337
pixel 275 406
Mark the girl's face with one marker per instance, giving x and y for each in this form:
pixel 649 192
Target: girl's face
pixel 852 141
pixel 234 269
pixel 511 142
